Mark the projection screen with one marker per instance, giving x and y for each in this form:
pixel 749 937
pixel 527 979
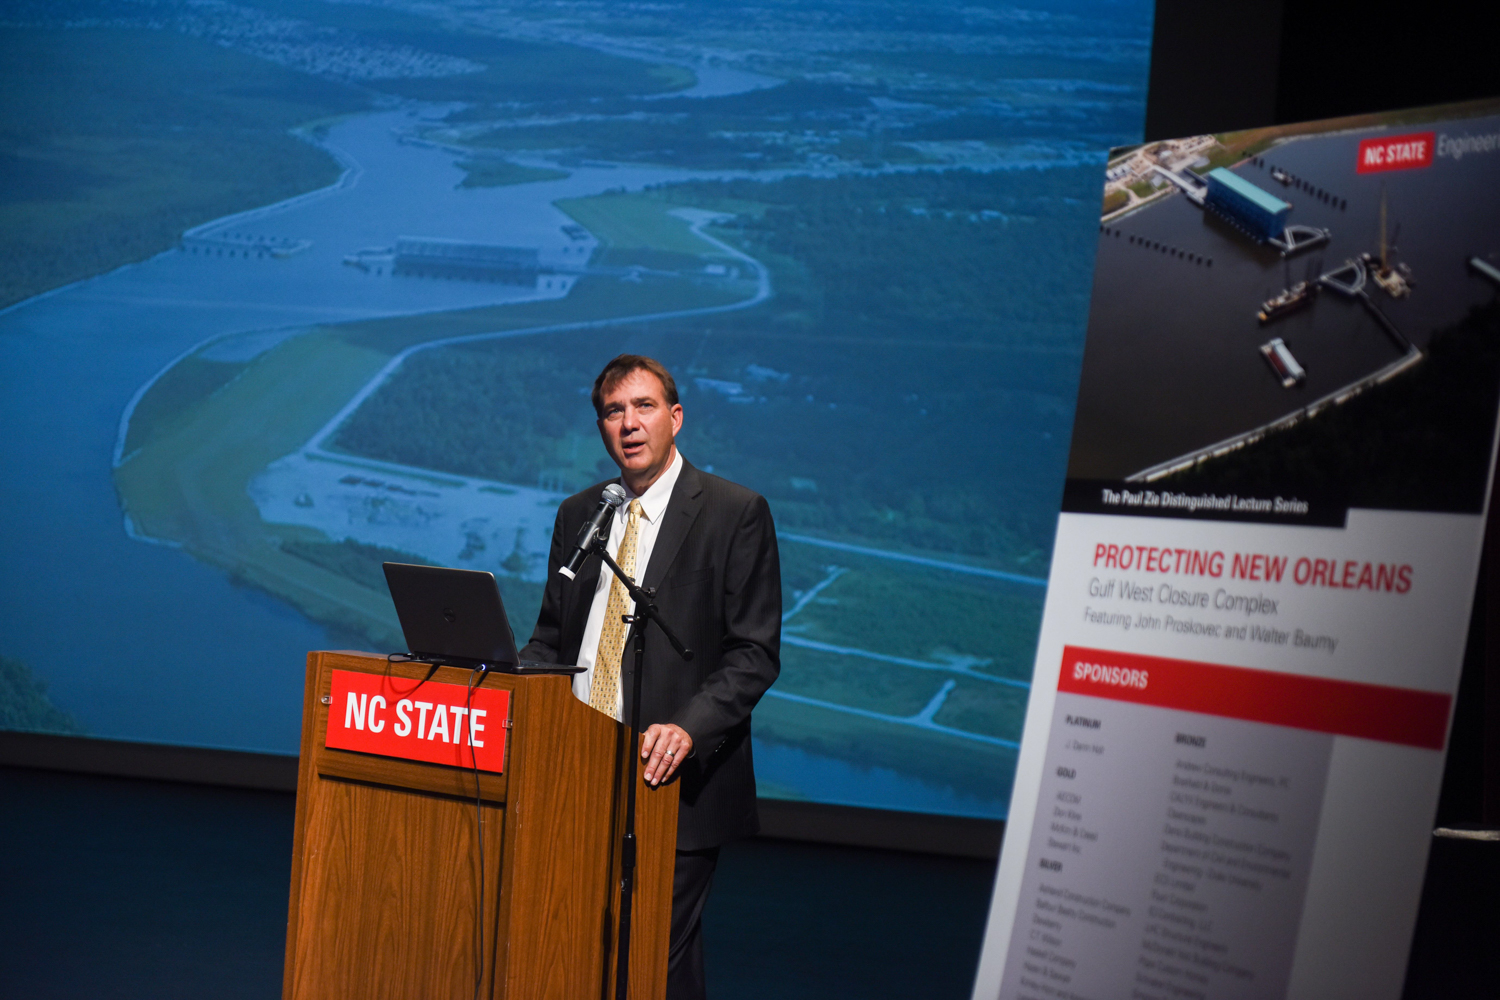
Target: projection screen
pixel 289 288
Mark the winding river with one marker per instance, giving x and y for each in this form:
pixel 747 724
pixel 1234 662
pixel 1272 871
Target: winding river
pixel 138 640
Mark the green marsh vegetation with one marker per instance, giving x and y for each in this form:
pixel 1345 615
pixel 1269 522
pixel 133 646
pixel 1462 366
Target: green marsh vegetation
pixel 806 397
pixel 24 704
pixel 115 141
pixel 499 173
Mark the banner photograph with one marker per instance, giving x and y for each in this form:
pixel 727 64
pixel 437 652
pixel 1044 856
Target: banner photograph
pixel 1264 569
pixel 1251 281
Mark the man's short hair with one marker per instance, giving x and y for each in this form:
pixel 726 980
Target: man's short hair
pixel 618 369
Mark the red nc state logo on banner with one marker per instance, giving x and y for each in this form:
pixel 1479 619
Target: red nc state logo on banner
pixel 418 720
pixel 1396 152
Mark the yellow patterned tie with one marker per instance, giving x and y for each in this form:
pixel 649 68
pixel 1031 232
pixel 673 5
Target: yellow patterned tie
pixel 604 691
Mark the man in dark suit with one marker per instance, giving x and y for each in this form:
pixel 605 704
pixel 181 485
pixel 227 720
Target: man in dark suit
pixel 708 547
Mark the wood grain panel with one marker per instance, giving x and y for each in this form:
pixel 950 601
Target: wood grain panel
pixel 651 924
pixel 557 864
pixel 413 774
pixel 395 884
pixel 385 853
pixel 306 779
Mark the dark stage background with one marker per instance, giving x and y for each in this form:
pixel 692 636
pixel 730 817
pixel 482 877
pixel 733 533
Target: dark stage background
pixel 123 887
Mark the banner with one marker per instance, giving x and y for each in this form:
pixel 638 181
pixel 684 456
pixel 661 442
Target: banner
pixel 1264 568
pixel 430 721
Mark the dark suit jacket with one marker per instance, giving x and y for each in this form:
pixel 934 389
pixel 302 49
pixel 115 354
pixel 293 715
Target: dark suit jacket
pixel 718 579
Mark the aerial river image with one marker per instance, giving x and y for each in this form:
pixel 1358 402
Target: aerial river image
pixel 322 285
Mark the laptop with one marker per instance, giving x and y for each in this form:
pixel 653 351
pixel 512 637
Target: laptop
pixel 455 617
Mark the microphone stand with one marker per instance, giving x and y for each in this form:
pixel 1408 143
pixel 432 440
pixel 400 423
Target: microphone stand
pixel 645 612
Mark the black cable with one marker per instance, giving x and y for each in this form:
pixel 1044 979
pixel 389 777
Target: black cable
pixel 479 824
pixel 405 658
pixel 478 673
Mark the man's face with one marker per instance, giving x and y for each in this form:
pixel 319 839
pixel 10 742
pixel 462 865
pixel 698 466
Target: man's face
pixel 639 428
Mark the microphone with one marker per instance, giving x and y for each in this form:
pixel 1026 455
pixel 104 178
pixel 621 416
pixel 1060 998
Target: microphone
pixel 611 498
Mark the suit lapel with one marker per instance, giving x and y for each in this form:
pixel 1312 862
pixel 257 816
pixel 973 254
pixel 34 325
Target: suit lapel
pixel 682 510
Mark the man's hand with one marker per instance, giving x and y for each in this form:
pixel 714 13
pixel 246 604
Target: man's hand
pixel 663 747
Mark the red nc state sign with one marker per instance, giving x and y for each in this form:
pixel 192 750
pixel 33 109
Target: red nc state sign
pixel 418 720
pixel 1396 152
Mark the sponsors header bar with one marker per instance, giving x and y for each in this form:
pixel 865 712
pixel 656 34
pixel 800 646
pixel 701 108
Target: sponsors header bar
pixel 1340 708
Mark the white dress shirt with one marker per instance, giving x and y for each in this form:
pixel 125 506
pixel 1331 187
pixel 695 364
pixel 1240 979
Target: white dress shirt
pixel 653 506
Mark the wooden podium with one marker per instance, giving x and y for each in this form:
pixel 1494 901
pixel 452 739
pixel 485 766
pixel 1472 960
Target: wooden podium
pixel 386 868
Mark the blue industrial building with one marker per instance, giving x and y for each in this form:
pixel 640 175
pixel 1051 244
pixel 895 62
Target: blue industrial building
pixel 1258 212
